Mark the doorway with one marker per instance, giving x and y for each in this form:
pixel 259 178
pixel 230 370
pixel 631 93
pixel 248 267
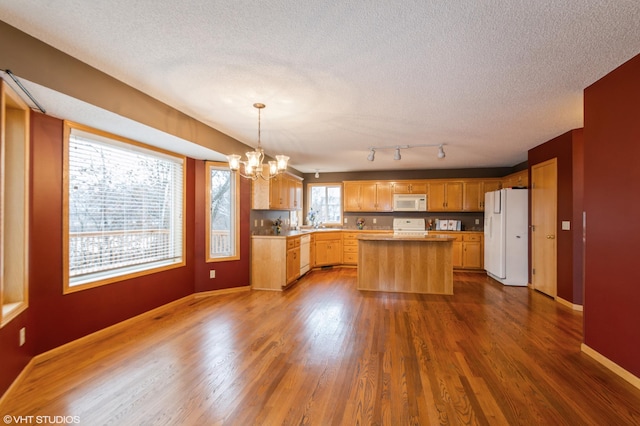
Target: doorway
pixel 544 211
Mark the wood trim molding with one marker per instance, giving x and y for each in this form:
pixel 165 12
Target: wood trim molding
pixel 16 382
pixel 568 304
pixel 203 294
pixel 115 328
pixel 90 338
pixel 112 329
pixel 628 376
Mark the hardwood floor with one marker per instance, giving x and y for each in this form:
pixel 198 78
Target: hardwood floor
pixel 324 353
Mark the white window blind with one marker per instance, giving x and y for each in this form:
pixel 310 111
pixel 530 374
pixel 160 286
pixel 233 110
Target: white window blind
pixel 125 208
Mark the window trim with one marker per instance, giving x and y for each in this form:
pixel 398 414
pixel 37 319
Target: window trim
pixel 309 203
pixel 209 165
pixel 68 126
pixel 15 127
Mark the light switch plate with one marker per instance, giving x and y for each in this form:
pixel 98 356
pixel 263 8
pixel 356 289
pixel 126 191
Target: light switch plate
pixel 566 225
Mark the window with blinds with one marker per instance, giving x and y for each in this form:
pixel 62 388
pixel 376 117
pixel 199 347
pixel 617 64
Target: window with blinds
pixel 223 213
pixel 125 204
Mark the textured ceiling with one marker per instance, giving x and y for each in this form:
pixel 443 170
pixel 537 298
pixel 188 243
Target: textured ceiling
pixel 490 79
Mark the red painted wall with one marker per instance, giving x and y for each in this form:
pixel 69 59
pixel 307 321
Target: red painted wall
pixel 612 205
pixel 59 318
pixel 567 148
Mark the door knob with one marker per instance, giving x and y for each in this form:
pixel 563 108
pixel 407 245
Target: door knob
pixel 551 237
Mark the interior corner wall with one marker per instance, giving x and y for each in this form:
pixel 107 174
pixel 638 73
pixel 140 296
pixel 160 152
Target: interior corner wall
pixel 612 207
pixel 569 242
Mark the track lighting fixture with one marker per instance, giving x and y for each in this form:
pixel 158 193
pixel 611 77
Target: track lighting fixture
pixel 397 156
pixel 372 155
pixel 317 175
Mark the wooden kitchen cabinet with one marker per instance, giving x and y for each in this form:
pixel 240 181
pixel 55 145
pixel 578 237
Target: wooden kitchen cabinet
pixel 474 190
pixel 366 196
pixel 520 178
pixel 410 187
pixel 275 261
pixel 312 251
pixel 268 262
pixel 350 248
pixel 296 192
pixel 284 192
pixel 472 249
pixel 445 196
pixel 467 249
pixel 279 195
pixel 293 259
pixel 328 248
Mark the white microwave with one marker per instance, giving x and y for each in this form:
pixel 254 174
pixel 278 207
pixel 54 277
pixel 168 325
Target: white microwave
pixel 409 202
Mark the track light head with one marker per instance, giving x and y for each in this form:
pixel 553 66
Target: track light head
pixel 397 155
pixel 372 155
pixel 441 153
pixel 317 175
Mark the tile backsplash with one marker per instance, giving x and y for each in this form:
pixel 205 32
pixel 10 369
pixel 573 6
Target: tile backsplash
pixel 262 220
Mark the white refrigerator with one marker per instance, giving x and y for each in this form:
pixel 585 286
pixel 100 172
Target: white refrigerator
pixel 506 241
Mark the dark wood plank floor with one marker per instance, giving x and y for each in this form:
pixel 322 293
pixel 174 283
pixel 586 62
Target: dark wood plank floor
pixel 324 353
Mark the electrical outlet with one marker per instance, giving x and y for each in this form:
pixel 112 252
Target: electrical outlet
pixel 212 273
pixel 375 220
pixel 346 220
pixel 255 223
pixel 261 222
pixel 23 336
pixel 477 221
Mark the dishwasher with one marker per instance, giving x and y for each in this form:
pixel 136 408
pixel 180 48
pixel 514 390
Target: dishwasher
pixel 305 248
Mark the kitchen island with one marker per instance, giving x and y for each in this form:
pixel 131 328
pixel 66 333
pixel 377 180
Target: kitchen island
pixel 405 264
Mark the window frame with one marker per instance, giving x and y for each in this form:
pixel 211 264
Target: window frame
pixel 310 187
pixel 15 183
pixel 235 197
pixel 136 272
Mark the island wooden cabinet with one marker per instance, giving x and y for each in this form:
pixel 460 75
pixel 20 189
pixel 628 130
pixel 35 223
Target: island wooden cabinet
pixel 410 187
pixel 445 196
pixel 328 248
pixel 283 192
pixel 366 196
pixel 474 190
pixel 293 259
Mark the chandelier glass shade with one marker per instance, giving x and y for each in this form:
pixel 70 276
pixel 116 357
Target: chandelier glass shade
pixel 253 167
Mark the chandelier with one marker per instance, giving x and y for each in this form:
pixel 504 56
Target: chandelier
pixel 253 168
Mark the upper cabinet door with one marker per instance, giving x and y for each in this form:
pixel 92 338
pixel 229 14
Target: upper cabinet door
pixel 445 196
